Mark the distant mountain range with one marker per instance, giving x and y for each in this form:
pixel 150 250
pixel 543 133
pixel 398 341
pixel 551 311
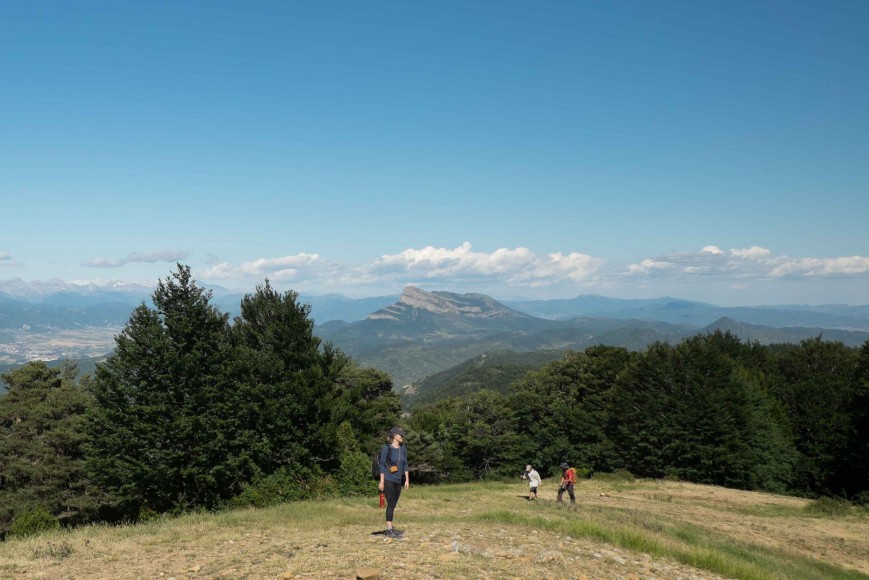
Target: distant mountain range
pixel 428 332
pixel 419 333
pixel 61 305
pixel 698 314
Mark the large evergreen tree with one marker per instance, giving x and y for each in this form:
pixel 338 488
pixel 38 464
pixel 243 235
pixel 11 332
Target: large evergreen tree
pixel 279 373
pixel 473 436
pixel 41 439
pixel 164 431
pixel 695 412
pixel 295 393
pixel 562 409
pixel 858 457
pixel 820 386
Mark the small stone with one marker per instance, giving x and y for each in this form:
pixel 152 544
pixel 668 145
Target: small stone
pixel 287 576
pixel 367 574
pixel 195 568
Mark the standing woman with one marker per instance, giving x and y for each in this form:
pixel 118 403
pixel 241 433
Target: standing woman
pixel 393 465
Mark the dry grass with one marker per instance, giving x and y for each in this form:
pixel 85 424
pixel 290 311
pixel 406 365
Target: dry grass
pixel 641 530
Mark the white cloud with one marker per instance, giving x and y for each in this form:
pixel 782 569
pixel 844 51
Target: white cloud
pixel 284 268
pixel 752 252
pixel 161 256
pixel 649 265
pixel 518 267
pixel 822 266
pixel 138 257
pixel 6 260
pixel 461 266
pixel 105 263
pixel 754 262
pixel 264 266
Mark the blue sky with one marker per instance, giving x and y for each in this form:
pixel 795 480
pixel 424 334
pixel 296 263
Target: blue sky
pixel 716 151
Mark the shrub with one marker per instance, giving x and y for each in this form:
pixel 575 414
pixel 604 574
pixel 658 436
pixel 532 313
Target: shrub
pixel 354 474
pixel 146 514
pixel 33 521
pixel 52 551
pixel 829 506
pixel 584 472
pixel 672 474
pixel 618 476
pixel 279 487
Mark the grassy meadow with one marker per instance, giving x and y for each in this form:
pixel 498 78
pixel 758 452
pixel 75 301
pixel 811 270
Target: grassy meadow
pixel 642 529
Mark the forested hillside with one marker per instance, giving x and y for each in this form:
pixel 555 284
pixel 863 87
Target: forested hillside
pixel 426 333
pixel 192 411
pixel 493 371
pixel 709 409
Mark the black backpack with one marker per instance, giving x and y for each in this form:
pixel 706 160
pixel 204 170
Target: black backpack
pixel 375 464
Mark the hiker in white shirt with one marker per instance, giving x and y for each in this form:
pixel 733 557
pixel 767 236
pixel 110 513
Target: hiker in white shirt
pixel 533 481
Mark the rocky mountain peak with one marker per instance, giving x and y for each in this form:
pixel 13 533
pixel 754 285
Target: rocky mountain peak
pixel 445 303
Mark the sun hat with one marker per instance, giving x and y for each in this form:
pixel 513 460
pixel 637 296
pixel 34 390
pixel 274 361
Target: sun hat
pixel 396 431
pixel 564 466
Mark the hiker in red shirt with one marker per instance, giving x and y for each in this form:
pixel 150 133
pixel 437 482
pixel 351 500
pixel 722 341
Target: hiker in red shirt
pixel 568 481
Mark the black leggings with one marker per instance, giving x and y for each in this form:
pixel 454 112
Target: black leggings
pixel 392 491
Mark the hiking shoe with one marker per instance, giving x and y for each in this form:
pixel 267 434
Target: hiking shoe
pixel 393 533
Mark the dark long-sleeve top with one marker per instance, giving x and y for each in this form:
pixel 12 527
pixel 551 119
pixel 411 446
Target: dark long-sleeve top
pixel 396 457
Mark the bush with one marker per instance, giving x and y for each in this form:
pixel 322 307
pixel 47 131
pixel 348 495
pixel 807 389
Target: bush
pixel 829 506
pixel 146 514
pixel 52 551
pixel 354 474
pixel 33 521
pixel 618 476
pixel 584 473
pixel 279 487
pixel 672 474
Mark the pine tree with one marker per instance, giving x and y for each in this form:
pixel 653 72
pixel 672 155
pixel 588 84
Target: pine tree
pixel 820 388
pixel 41 438
pixel 698 411
pixel 285 393
pixel 164 431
